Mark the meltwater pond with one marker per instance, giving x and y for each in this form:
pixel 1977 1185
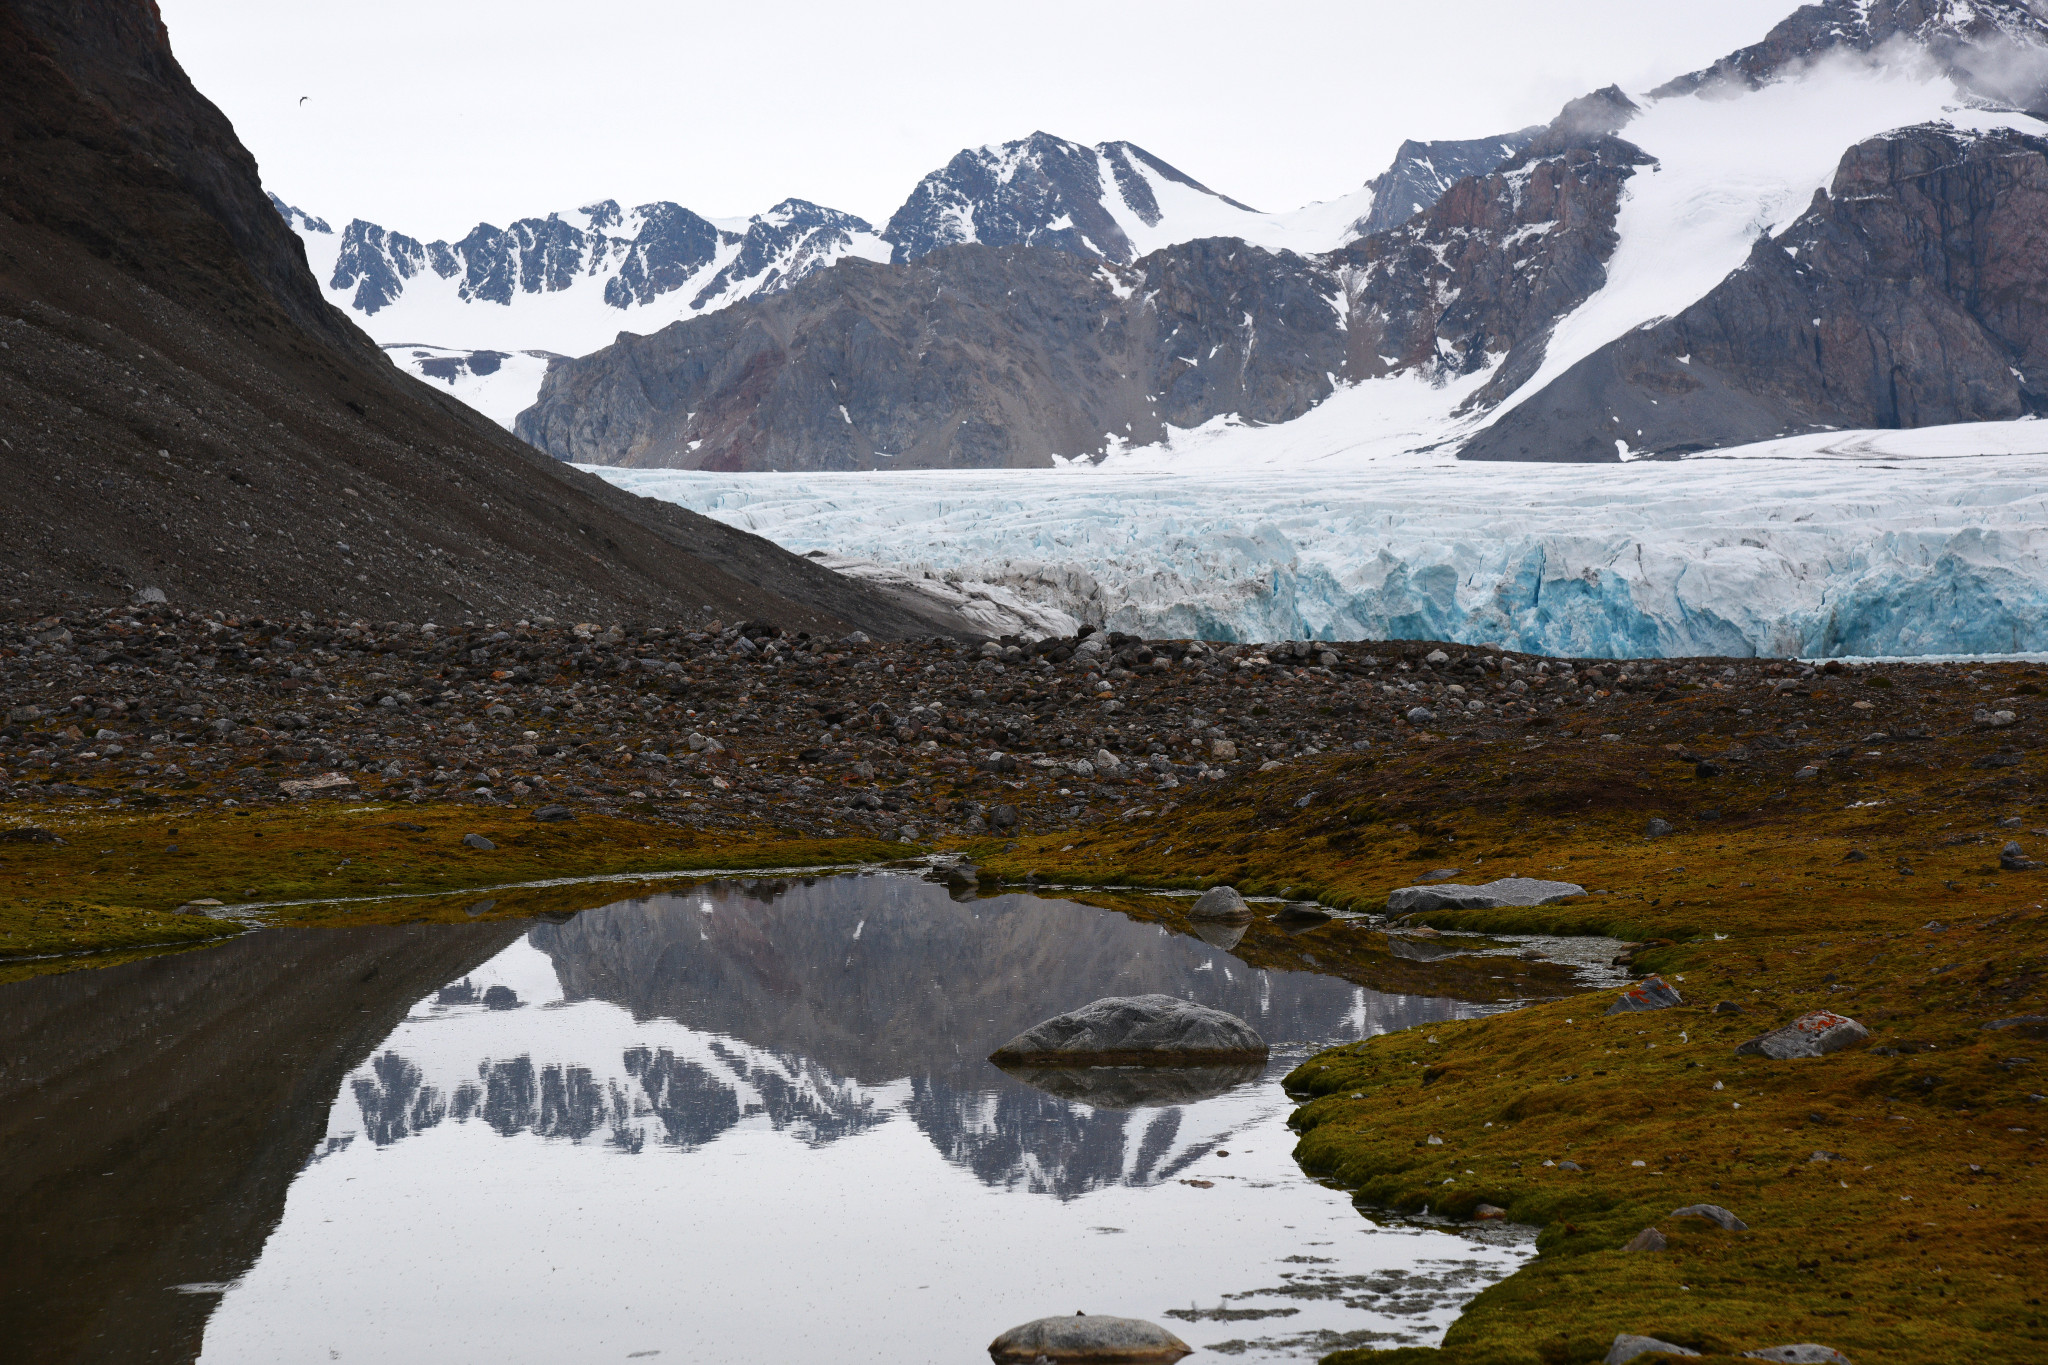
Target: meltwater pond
pixel 739 1122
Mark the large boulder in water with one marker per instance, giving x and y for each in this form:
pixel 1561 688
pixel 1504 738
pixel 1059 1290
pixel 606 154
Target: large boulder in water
pixel 1135 1030
pixel 1411 900
pixel 1088 1338
pixel 1220 903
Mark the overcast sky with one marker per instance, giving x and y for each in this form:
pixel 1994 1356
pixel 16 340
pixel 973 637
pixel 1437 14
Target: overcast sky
pixel 428 116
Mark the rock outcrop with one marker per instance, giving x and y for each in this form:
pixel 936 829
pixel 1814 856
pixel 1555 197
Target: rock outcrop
pixel 1913 292
pixel 1422 171
pixel 1137 1030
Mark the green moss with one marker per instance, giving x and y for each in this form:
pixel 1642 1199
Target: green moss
pixel 118 879
pixel 1894 1249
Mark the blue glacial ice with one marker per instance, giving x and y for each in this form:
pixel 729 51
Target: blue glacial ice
pixel 1893 543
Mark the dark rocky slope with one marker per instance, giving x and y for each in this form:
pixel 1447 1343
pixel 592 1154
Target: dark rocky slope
pixel 180 409
pixel 981 356
pixel 1913 293
pixel 1422 171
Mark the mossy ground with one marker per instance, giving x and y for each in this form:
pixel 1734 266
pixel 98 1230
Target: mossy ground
pixel 118 879
pixel 1917 1239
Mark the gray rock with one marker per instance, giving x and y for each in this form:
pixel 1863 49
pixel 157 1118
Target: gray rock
pixel 1507 891
pixel 1649 1239
pixel 1088 1338
pixel 477 841
pixel 1438 874
pixel 1657 829
pixel 1220 902
pixel 1628 1346
pixel 1651 993
pixel 1420 715
pixel 1713 1213
pixel 1802 1353
pixel 1136 1030
pixel 553 814
pixel 2013 858
pixel 1304 914
pixel 1003 817
pixel 1810 1035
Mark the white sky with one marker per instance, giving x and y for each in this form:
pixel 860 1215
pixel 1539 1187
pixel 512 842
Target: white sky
pixel 429 115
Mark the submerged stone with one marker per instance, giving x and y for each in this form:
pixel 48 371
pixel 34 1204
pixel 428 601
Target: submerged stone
pixel 1810 1035
pixel 1411 900
pixel 1088 1338
pixel 1135 1030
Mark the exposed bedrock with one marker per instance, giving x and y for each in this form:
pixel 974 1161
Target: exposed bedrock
pixel 1914 292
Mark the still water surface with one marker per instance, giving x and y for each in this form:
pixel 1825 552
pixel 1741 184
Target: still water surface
pixel 753 1122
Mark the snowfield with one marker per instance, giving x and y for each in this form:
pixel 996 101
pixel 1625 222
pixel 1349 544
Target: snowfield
pixel 1884 543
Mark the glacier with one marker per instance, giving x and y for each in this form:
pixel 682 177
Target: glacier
pixel 1846 544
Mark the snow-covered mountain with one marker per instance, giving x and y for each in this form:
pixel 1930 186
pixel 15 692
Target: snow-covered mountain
pixel 1886 133
pixel 563 284
pixel 486 315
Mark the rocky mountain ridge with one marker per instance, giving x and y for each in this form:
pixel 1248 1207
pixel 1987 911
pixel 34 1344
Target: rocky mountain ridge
pixel 984 357
pixel 567 283
pixel 1479 305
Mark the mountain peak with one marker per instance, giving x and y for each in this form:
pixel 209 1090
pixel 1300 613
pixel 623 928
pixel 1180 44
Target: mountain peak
pixel 1108 201
pixel 1975 41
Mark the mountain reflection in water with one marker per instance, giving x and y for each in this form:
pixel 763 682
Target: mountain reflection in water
pixel 824 1008
pixel 754 1121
